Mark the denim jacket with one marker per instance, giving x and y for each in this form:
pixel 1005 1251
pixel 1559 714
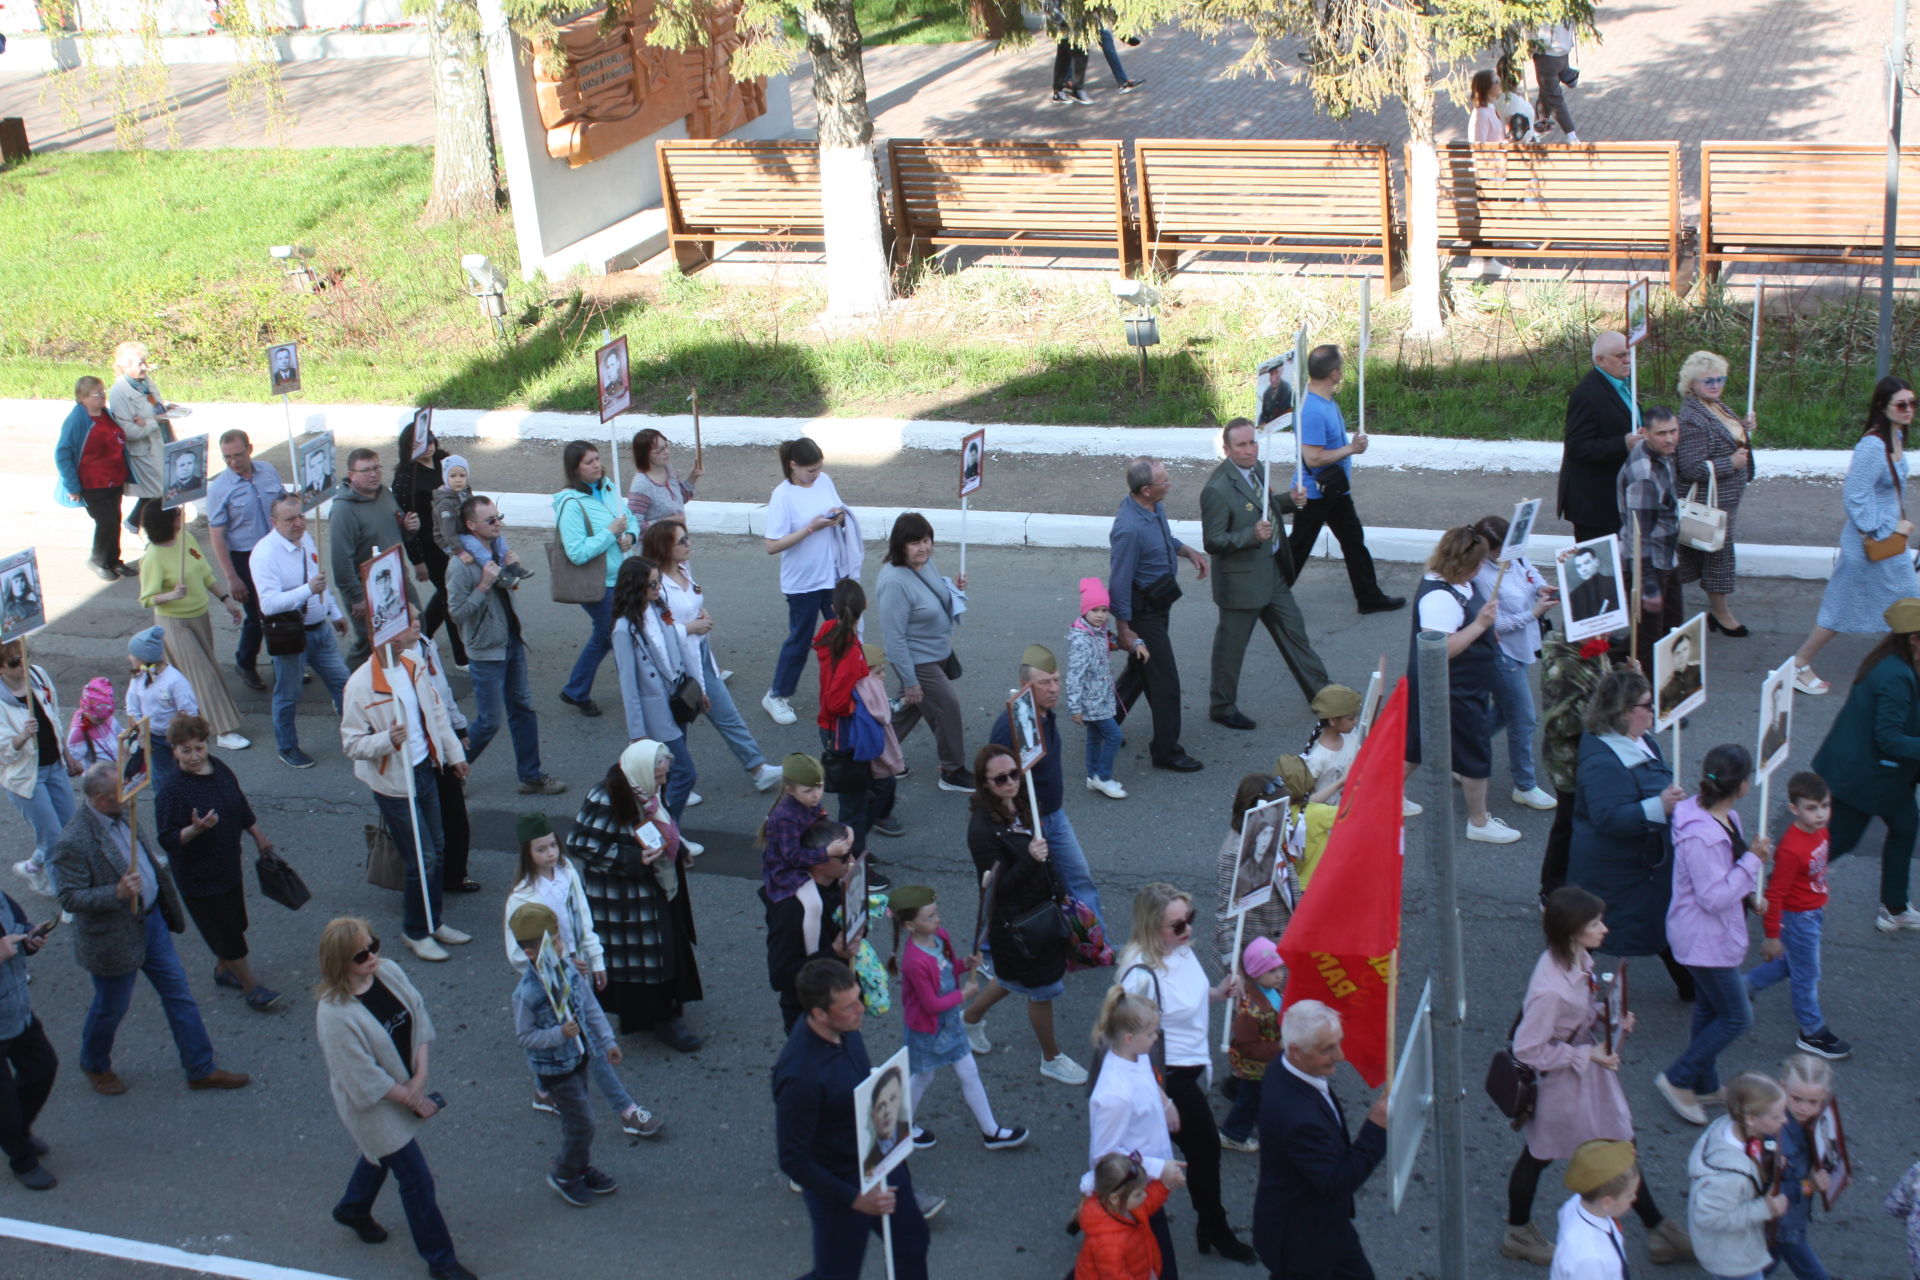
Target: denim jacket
pixel 549 1051
pixel 16 1008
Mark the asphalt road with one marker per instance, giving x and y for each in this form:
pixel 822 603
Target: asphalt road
pixel 252 1174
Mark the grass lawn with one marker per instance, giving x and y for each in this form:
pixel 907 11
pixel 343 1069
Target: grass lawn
pixel 906 22
pixel 170 248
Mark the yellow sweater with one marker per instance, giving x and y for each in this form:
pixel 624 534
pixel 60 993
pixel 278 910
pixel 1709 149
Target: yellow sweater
pixel 160 573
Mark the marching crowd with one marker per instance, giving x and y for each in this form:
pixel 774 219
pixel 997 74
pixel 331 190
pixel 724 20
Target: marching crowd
pixel 600 927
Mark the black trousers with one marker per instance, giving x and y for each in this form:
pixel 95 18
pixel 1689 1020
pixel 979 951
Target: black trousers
pixel 1199 1142
pixel 1524 1182
pixel 103 506
pixel 1672 613
pixel 1588 532
pixel 1069 67
pixel 454 831
pixel 1553 100
pixel 27 1067
pixel 1158 677
pixel 247 652
pixel 437 607
pixel 1553 864
pixel 1340 515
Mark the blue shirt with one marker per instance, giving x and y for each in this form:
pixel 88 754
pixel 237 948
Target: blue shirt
pixel 242 508
pixel 813 1083
pixel 1625 389
pixel 1322 426
pixel 1048 787
pixel 1142 550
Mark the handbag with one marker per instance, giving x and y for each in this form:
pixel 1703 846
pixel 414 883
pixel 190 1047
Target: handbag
pixel 279 881
pixel 950 665
pixel 1703 526
pixel 1512 1084
pixel 383 859
pixel 1160 594
pixel 685 700
pixel 285 633
pixel 1087 946
pixel 575 583
pixel 1893 544
pixel 843 774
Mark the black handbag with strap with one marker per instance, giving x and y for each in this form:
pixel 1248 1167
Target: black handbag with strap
pixel 279 881
pixel 285 633
pixel 1512 1084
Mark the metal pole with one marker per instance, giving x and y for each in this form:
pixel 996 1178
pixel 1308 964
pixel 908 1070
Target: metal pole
pixel 1890 224
pixel 1449 987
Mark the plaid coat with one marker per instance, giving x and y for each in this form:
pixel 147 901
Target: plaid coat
pixel 631 912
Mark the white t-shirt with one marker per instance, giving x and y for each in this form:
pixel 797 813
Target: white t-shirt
pixel 1184 1003
pixel 1321 758
pixel 807 565
pixel 409 699
pixel 1442 610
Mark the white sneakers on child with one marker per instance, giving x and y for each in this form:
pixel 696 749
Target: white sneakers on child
pixel 1063 1069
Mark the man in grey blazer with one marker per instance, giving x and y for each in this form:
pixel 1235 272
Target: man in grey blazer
pixel 125 912
pixel 1252 566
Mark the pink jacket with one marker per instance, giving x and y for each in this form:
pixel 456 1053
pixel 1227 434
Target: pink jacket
pixel 920 997
pixel 1707 920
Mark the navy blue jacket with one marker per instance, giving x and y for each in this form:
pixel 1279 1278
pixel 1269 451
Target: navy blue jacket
pixel 1047 785
pixel 1309 1171
pixel 813 1084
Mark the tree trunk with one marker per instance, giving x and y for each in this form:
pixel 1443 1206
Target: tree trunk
pixel 858 283
pixel 1423 190
pixel 465 178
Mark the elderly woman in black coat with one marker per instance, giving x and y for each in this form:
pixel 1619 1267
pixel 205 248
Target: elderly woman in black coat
pixel 633 866
pixel 1623 802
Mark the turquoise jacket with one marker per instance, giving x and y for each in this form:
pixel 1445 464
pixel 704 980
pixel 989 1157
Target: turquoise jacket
pixel 1871 758
pixel 581 518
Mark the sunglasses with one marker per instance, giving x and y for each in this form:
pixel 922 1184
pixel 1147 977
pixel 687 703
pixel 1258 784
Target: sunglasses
pixel 490 520
pixel 1183 924
pixel 992 777
pixel 1901 404
pixel 1644 706
pixel 14 662
pixel 367 953
pixel 1720 381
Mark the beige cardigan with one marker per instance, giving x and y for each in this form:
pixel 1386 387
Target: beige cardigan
pixel 362 1065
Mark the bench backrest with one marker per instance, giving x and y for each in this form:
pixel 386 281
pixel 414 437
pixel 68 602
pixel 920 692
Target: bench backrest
pixel 1768 196
pixel 1317 189
pixel 1041 187
pixel 720 187
pixel 1590 194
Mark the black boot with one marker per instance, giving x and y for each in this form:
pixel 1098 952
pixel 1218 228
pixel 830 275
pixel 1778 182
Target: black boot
pixel 1222 1239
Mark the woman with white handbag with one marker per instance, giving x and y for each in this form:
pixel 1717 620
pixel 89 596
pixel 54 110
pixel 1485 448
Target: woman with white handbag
pixel 1715 456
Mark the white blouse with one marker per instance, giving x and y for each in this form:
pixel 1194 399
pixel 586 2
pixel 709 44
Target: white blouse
pixel 1126 1113
pixel 1184 1005
pixel 685 603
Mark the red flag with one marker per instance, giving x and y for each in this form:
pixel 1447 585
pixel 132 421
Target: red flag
pixel 1339 945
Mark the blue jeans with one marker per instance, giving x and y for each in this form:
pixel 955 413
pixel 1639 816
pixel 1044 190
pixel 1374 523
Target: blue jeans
pixel 1797 1253
pixel 505 683
pixel 48 809
pixel 111 996
pixel 681 777
pixel 323 655
pixel 725 717
pixel 1103 744
pixel 599 644
pixel 1799 962
pixel 1513 711
pixel 247 652
pixel 409 1168
pixel 1063 848
pixel 160 762
pixel 804 612
pixel 1721 1014
pixel 1245 1116
pixel 840 1234
pixel 1112 55
pixel 414 907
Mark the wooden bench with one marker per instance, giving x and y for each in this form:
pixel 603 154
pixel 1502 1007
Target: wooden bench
pixel 1264 197
pixel 1590 201
pixel 1047 195
pixel 1764 202
pixel 764 192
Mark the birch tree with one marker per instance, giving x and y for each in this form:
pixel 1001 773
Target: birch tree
pixel 466 176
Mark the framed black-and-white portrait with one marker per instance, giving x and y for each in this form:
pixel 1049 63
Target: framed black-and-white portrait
pixel 1680 672
pixel 316 470
pixel 1593 594
pixel 1263 832
pixel 385 579
pixel 610 373
pixel 183 468
pixel 283 368
pixel 883 1120
pixel 23 605
pixel 973 462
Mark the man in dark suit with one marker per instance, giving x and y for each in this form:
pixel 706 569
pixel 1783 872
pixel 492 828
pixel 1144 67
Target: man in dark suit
pixel 1252 566
pixel 1309 1168
pixel 1594 591
pixel 125 912
pixel 1600 434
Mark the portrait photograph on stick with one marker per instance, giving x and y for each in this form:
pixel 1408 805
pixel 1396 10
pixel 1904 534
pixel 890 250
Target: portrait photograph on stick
pixel 1830 1151
pixel 1680 672
pixel 1028 745
pixel 23 608
pixel 1273 390
pixel 283 368
pixel 610 370
pixel 1639 294
pixel 384 578
pixel 316 470
pixel 422 436
pixel 1519 529
pixel 1593 597
pixel 973 462
pixel 1776 719
pixel 854 895
pixel 883 1120
pixel 185 468
pixel 135 770
pixel 1263 832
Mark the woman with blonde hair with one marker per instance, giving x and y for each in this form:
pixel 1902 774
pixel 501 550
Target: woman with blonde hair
pixel 374 1031
pixel 1448 601
pixel 1733 1197
pixel 1159 964
pixel 1712 439
pixel 135 404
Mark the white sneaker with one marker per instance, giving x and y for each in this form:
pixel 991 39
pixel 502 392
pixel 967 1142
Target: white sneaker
pixel 1535 798
pixel 1063 1069
pixel 36 876
pixel 766 777
pixel 977 1036
pixel 1408 809
pixel 426 948
pixel 1493 831
pixel 1107 787
pixel 726 677
pixel 694 798
pixel 451 936
pixel 232 742
pixel 1890 922
pixel 694 849
pixel 779 708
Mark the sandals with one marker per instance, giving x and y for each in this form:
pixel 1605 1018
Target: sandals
pixel 1805 681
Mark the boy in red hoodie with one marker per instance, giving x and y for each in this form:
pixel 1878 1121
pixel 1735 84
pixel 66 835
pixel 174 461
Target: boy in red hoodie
pixel 1118 1243
pixel 1796 898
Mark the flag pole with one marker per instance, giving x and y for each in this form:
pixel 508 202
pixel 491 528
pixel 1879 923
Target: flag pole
pixel 886 1219
pixel 1753 348
pixel 1239 936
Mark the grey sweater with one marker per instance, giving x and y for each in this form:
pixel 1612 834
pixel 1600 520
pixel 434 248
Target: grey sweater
pixel 362 1064
pixel 355 527
pixel 915 610
pixel 480 615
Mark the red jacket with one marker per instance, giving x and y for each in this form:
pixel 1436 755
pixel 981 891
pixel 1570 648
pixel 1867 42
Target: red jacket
pixel 837 679
pixel 1114 1250
pixel 1799 880
pixel 920 998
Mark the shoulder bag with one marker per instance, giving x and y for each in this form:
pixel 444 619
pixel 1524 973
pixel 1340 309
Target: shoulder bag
pixel 1703 526
pixel 285 633
pixel 1512 1084
pixel 575 583
pixel 1894 544
pixel 685 697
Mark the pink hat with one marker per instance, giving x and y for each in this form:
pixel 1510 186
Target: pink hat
pixel 96 700
pixel 1261 956
pixel 1093 595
